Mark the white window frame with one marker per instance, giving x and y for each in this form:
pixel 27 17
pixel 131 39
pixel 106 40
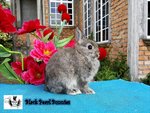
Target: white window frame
pixel 86 30
pixel 101 28
pixel 61 2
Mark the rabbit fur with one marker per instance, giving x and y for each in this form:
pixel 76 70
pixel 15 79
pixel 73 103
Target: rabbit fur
pixel 70 69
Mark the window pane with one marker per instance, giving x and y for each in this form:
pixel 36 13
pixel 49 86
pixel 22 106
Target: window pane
pixel 53 10
pixel 57 4
pixel 107 8
pixel 85 7
pixel 70 11
pixel 89 30
pixel 71 16
pixel 89 12
pixel 103 1
pixel 58 22
pixel 89 21
pixel 103 9
pixel 148 27
pixel 99 14
pixel 106 34
pixel 103 35
pixel 103 21
pixel 107 21
pixel 86 32
pixel 69 5
pixel 85 15
pixel 100 37
pixel 96 6
pixel 97 37
pixel 70 23
pixel 58 16
pixel 53 4
pixel 53 22
pixel 149 9
pixel 52 16
pixel 99 24
pixel 99 3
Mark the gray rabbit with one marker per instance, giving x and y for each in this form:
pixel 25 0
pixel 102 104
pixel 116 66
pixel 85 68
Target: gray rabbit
pixel 70 69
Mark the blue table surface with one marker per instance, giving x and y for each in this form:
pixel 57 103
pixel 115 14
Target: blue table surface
pixel 115 96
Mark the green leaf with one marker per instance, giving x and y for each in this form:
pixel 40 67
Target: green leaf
pixel 8 73
pixel 6 60
pixel 63 42
pixel 3 49
pixel 55 39
pixel 45 39
pixel 4 54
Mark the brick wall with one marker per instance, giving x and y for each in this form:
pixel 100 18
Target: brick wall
pixel 119 28
pixel 78 4
pixel 144 59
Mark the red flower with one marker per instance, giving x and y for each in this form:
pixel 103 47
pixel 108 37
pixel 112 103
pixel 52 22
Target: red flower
pixel 62 8
pixel 17 67
pixel 65 16
pixel 30 26
pixel 102 53
pixel 33 72
pixel 47 31
pixel 6 21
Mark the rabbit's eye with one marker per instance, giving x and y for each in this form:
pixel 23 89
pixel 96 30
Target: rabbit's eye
pixel 89 46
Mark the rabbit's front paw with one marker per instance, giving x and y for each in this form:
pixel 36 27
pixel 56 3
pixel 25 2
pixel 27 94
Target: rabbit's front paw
pixel 73 91
pixel 88 91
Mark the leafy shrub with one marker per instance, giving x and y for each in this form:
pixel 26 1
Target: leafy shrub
pixel 5 40
pixel 146 80
pixel 116 69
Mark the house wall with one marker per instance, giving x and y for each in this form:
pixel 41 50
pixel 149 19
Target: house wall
pixel 118 25
pixel 144 59
pixel 119 28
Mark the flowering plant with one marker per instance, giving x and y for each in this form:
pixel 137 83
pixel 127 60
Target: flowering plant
pixel 46 43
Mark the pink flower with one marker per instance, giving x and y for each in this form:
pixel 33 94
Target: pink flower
pixel 33 72
pixel 43 51
pixel 71 44
pixel 31 26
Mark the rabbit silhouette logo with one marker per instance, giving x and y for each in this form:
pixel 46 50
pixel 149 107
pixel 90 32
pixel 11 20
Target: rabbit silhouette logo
pixel 13 102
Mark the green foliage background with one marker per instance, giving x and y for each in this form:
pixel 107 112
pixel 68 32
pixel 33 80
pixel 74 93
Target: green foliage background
pixel 116 69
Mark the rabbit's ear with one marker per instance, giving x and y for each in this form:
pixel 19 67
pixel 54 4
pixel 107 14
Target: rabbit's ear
pixel 78 35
